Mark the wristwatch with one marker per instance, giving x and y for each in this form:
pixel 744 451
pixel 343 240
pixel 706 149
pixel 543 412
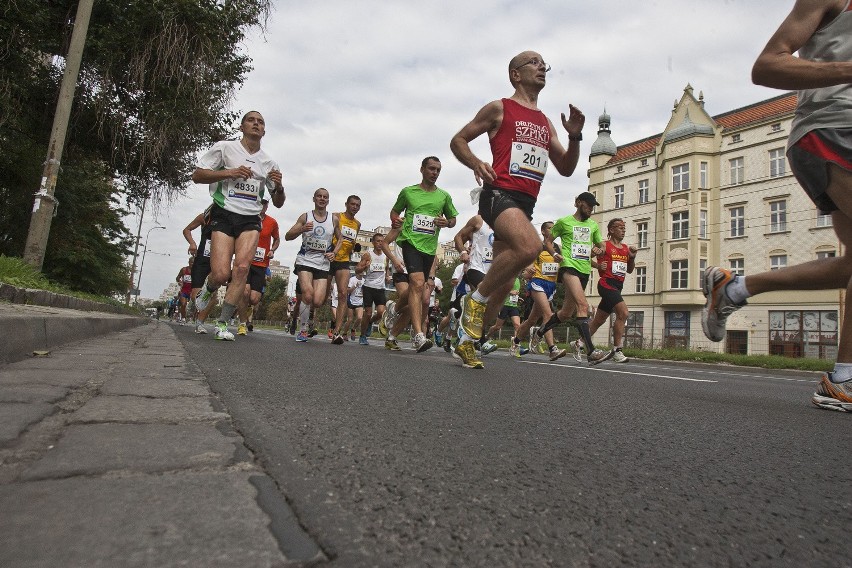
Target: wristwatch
pixel 576 138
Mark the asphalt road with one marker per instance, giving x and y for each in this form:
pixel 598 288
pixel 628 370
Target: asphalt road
pixel 406 459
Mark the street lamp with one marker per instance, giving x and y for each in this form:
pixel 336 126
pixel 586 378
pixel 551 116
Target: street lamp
pixel 145 247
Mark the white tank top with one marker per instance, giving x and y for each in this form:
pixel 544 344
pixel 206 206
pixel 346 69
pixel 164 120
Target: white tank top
pixel 375 275
pixel 316 243
pixel 482 249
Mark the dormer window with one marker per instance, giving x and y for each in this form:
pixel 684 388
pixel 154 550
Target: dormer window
pixel 619 169
pixel 735 138
pixel 644 162
pixel 776 127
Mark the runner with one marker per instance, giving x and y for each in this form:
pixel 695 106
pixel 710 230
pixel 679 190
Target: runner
pixel 523 141
pixel 511 312
pixel 239 173
pixel 613 264
pixel 184 280
pixel 820 156
pixel 354 304
pixel 349 227
pixel 427 209
pixel 201 266
pixel 580 239
pixel 374 264
pixel 541 287
pixel 268 242
pixel 317 228
pixel 395 311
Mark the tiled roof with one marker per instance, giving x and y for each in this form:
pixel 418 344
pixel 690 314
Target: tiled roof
pixel 764 110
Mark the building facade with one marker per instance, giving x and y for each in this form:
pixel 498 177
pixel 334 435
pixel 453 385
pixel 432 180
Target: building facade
pixel 715 191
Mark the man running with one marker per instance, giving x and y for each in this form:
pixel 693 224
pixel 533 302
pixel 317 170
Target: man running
pixel 268 242
pixel 184 280
pixel 374 264
pixel 339 269
pixel 522 141
pixel 317 229
pixel 580 239
pixel 613 264
pixel 820 155
pixel 239 173
pixel 428 209
pixel 201 266
pixel 509 312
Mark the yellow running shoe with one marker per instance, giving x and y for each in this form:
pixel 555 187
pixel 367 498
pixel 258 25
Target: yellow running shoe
pixel 471 317
pixel 467 353
pixel 242 329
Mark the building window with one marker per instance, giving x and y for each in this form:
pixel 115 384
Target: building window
pixel 736 342
pixel 680 177
pixel 737 266
pixel 737 221
pixel 778 216
pixel 776 127
pixel 702 224
pixel 643 162
pixel 823 219
pixel 680 274
pixel 641 279
pixel 823 254
pixel 643 191
pixel 680 225
pixel 633 330
pixel 737 171
pixel 702 175
pixel 736 138
pixel 777 162
pixel 676 332
pixel 642 235
pixel 619 169
pixel 619 196
pixel 777 261
pixel 702 266
pixel 809 333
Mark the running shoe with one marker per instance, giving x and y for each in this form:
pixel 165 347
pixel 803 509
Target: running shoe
pixel 523 351
pixel 454 322
pixel 250 326
pixel 557 353
pixel 293 327
pixel 392 345
pixel 833 396
pixel 222 332
pixel 202 299
pixel 331 335
pixel 619 357
pixel 488 347
pixel 467 353
pixel 302 337
pixel 242 329
pixel 363 340
pixel 448 344
pixel 718 306
pixel 383 328
pixel 514 348
pixel 439 338
pixel 352 336
pixel 577 346
pixel 337 339
pixel 535 338
pixel 199 327
pixel 422 343
pixel 597 356
pixel 313 332
pixel 471 316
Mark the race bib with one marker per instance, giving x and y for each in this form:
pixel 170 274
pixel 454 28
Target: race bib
pixel 377 266
pixel 488 254
pixel 582 235
pixel 187 278
pixel 528 161
pixel 513 298
pixel 423 224
pixel 260 254
pixel 580 251
pixel 619 268
pixel 206 249
pixel 349 233
pixel 248 189
pixel 317 244
pixel 549 268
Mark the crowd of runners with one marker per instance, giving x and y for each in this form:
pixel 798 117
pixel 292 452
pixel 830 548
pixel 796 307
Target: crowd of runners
pixel 505 257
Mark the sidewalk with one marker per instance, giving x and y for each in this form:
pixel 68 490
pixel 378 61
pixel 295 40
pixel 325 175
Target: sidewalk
pixel 114 452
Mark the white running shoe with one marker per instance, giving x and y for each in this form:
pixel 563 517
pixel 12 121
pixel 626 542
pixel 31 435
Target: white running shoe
pixel 719 305
pixel 222 332
pixel 422 343
pixel 578 347
pixel 202 299
pixel 619 357
pixel 199 327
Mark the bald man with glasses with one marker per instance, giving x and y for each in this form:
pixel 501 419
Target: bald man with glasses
pixel 523 143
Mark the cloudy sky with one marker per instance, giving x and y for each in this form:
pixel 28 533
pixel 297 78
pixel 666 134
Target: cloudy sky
pixel 355 93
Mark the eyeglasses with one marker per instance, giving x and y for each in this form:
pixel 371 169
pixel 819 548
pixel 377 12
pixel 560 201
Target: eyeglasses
pixel 536 62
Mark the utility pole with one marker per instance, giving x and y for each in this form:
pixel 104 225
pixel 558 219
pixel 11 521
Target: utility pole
pixel 45 202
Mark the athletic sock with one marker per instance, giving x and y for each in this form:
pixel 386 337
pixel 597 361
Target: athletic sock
pixel 842 372
pixel 479 297
pixel 583 326
pixel 227 312
pixel 551 323
pixel 737 291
